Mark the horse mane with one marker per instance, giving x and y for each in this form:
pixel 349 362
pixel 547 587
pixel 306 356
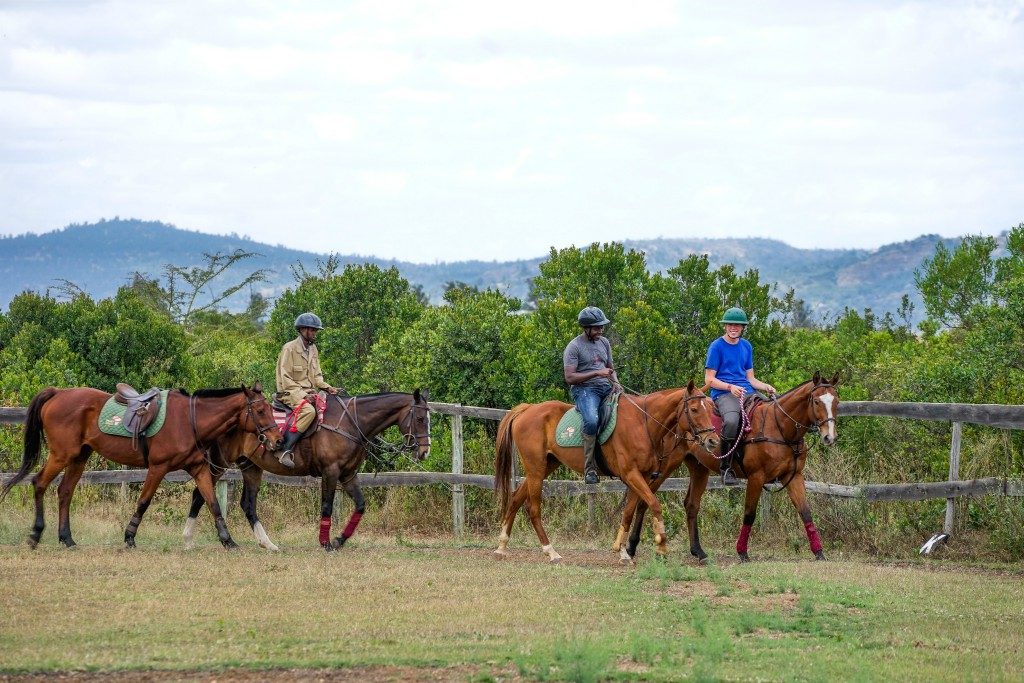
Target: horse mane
pixel 786 393
pixel 213 393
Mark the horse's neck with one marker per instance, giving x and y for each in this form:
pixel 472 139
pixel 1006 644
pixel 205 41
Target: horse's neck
pixel 213 417
pixel 374 414
pixel 662 406
pixel 794 404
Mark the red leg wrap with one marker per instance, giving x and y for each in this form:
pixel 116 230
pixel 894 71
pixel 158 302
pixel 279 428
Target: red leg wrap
pixel 741 542
pixel 325 529
pixel 353 522
pixel 813 537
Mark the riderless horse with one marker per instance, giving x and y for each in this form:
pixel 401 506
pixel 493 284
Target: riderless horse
pixel 633 452
pixel 335 453
pixel 775 450
pixel 69 421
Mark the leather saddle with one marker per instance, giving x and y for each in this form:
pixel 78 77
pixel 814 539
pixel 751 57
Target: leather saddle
pixel 142 409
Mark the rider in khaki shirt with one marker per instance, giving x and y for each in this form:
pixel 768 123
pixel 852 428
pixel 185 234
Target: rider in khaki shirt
pixel 298 376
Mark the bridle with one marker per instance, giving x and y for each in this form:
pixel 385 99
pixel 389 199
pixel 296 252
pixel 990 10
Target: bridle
pixel 817 424
pixel 250 414
pixel 410 438
pixel 696 433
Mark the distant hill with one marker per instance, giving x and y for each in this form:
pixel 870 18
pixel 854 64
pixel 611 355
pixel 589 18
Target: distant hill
pixel 100 257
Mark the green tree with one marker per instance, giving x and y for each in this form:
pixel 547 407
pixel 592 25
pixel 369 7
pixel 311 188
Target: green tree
pixel 954 284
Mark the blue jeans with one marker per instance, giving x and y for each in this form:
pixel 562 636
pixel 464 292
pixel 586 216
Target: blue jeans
pixel 588 402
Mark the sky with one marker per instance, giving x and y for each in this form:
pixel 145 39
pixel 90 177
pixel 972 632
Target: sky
pixel 455 130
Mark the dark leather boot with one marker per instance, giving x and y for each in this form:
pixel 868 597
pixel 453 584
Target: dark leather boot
pixel 589 459
pixel 290 439
pixel 728 478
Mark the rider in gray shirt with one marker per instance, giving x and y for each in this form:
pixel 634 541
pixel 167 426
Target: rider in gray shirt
pixel 588 369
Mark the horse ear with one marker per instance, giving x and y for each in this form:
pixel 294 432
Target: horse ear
pixel 817 378
pixel 689 387
pixel 416 395
pixel 258 387
pixel 835 379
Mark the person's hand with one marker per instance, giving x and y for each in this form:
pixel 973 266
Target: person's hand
pixel 332 391
pixel 737 391
pixel 769 389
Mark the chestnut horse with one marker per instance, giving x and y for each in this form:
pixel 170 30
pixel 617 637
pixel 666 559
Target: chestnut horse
pixel 633 452
pixel 69 421
pixel 774 451
pixel 335 453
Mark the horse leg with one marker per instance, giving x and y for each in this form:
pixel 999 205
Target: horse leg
pixel 154 475
pixel 698 484
pixel 638 484
pixel 353 491
pixel 190 522
pixel 193 513
pixel 798 494
pixel 252 476
pixel 64 492
pixel 519 497
pixel 204 484
pixel 755 483
pixel 328 486
pixel 534 487
pixel 629 508
pixel 41 482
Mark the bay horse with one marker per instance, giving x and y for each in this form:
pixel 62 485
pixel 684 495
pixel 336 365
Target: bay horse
pixel 68 419
pixel 775 450
pixel 633 452
pixel 334 453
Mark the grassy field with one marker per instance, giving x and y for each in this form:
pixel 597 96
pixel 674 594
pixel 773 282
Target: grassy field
pixel 406 605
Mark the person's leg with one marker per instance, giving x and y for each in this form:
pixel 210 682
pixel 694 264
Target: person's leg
pixel 306 416
pixel 588 402
pixel 729 408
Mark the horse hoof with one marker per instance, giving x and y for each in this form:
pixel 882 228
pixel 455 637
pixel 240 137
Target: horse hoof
pixel 229 544
pixel 69 544
pixel 699 554
pixel 819 555
pixel 328 546
pixel 500 554
pixel 744 557
pixel 627 561
pixel 129 544
pixel 32 542
pixel 556 560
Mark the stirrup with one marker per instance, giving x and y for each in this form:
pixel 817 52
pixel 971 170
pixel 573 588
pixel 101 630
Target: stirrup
pixel 286 459
pixel 728 478
pixel 590 477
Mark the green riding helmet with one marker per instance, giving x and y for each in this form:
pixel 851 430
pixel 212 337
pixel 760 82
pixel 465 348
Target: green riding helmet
pixel 309 320
pixel 734 316
pixel 592 316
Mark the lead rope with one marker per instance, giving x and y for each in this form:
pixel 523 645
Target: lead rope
pixel 744 427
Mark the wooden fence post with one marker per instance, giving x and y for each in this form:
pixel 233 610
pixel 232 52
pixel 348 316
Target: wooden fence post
pixel 954 474
pixel 458 490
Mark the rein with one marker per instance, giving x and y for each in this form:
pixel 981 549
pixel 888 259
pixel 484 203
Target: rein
pixel 376 446
pixel 250 413
pixel 690 434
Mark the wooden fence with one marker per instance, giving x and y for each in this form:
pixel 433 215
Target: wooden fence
pixel 1000 416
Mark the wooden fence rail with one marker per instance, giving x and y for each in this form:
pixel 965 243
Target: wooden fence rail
pixel 992 415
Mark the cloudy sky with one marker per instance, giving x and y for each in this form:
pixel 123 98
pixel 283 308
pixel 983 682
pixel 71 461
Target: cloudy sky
pixel 463 129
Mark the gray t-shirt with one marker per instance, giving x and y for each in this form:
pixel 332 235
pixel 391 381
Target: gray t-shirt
pixel 583 355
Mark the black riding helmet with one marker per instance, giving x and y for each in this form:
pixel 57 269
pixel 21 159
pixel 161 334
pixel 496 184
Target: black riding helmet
pixel 592 316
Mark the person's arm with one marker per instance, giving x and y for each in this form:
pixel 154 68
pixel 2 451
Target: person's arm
pixel 573 378
pixel 318 376
pixel 712 381
pixel 758 384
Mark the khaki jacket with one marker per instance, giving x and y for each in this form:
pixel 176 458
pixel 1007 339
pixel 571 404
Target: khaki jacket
pixel 298 372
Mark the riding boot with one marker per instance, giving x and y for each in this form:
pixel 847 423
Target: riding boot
pixel 290 439
pixel 589 458
pixel 728 478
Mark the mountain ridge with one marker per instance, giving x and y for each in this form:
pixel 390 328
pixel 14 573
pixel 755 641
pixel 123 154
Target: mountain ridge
pixel 99 257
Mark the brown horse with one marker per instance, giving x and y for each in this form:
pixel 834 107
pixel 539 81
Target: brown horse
pixel 334 453
pixel 633 453
pixel 774 451
pixel 69 421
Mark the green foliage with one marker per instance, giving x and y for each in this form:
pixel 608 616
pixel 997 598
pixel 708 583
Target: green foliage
pixel 954 284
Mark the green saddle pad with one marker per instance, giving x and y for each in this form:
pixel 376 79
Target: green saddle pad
pixel 112 417
pixel 569 432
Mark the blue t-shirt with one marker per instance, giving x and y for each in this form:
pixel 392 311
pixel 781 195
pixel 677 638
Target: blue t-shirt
pixel 730 363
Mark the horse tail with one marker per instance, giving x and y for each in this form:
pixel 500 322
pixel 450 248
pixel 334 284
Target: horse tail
pixel 505 448
pixel 33 438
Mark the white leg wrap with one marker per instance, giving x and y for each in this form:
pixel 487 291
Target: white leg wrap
pixel 262 538
pixel 189 533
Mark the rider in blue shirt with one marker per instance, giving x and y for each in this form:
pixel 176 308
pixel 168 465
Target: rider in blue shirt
pixel 729 370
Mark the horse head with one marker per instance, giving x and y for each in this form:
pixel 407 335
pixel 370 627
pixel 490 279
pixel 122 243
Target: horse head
pixel 824 406
pixel 694 416
pixel 259 417
pixel 415 424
